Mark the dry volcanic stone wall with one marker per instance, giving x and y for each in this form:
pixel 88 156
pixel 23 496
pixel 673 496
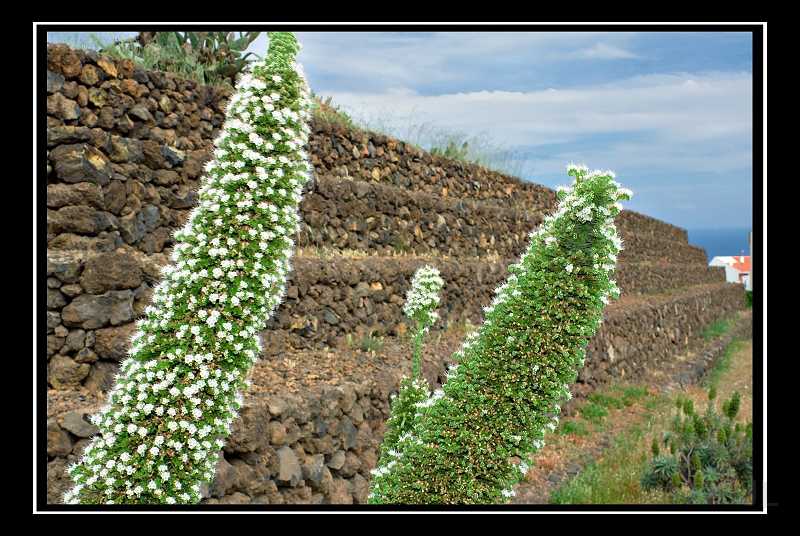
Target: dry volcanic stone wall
pixel 125 149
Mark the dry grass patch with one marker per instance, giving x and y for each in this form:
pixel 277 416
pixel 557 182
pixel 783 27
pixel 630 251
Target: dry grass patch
pixel 610 472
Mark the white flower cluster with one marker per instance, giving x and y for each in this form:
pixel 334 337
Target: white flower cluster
pixel 437 394
pixel 423 297
pixel 178 392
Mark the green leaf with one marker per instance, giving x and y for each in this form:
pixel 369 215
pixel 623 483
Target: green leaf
pixel 194 40
pixel 241 43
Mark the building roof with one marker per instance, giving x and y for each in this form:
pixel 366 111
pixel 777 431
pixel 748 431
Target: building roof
pixel 737 262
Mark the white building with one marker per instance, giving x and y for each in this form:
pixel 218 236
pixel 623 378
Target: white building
pixel 737 269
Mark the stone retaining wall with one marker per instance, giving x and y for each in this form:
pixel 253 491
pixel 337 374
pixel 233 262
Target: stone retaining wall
pixel 125 150
pixel 338 151
pixel 318 445
pixel 379 219
pixel 94 298
pixel 640 333
pixel 125 154
pixel 385 220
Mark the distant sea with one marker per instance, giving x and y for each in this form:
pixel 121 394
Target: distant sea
pixel 721 242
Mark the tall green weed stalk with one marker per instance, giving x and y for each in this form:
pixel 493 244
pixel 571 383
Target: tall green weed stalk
pixel 471 441
pixel 178 392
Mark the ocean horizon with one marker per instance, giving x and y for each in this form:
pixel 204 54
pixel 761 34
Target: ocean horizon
pixel 721 242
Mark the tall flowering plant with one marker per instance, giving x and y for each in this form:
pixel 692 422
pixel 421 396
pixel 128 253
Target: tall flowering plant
pixel 178 392
pixel 514 372
pixel 421 302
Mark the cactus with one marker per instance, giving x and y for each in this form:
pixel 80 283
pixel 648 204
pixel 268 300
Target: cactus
pixel 215 58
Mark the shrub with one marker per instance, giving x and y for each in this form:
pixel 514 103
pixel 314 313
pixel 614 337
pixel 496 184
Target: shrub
pixel 710 458
pixel 325 109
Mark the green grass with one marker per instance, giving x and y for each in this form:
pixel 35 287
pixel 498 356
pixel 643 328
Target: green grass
pixel 606 400
pixel 578 428
pixel 717 329
pixel 724 365
pixel 592 412
pixel 615 477
pixel 634 394
pixel 369 343
pixel 479 149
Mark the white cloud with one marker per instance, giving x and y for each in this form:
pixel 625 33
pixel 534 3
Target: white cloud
pixel 602 52
pixel 675 121
pixel 376 60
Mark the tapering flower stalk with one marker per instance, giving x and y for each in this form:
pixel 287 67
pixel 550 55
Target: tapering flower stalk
pixel 467 439
pixel 421 302
pixel 178 392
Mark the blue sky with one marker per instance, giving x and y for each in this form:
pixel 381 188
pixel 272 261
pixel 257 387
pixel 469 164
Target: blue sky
pixel 669 111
